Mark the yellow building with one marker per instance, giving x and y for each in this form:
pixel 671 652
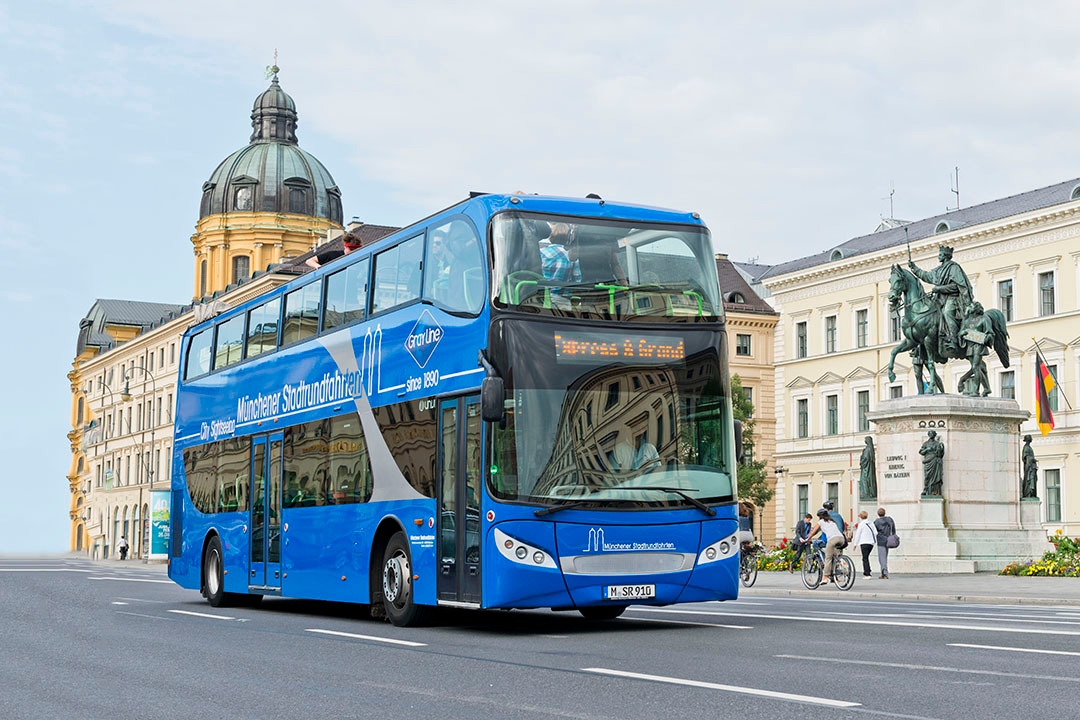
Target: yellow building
pixel 264 208
pixel 836 335
pixel 751 323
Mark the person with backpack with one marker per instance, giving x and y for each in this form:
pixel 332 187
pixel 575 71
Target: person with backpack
pixel 834 540
pixel 885 528
pixel 122 546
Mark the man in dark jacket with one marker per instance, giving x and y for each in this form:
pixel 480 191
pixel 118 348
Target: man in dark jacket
pixel 885 527
pixel 802 539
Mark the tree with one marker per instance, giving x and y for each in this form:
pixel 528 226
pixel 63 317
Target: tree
pixel 752 484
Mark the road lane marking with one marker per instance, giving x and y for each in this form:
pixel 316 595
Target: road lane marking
pixel 374 638
pixel 128 579
pixel 202 615
pixel 932 668
pixel 853 621
pixel 142 615
pixel 1013 619
pixel 1013 649
pixel 790 697
pixel 696 624
pixel 117 602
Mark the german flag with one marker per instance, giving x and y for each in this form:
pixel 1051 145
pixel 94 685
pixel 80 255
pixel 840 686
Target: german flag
pixel 1044 385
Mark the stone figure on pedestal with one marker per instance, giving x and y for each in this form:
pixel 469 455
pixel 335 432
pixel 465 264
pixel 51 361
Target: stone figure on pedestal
pixel 933 454
pixel 977 335
pixel 951 293
pixel 1030 478
pixel 868 471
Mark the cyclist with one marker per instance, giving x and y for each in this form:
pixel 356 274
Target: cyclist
pixel 834 538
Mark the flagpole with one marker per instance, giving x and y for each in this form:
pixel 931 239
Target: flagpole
pixel 1038 351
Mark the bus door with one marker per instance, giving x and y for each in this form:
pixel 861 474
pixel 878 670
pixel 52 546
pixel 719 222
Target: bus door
pixel 458 493
pixel 266 512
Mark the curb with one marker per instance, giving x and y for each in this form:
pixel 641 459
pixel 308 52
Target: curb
pixel 924 597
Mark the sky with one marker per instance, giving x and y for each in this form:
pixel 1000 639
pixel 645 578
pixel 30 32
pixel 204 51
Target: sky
pixel 790 126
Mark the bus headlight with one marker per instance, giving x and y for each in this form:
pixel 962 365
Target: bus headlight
pixel 719 550
pixel 517 551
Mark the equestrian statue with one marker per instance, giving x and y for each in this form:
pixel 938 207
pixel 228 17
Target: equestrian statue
pixel 945 324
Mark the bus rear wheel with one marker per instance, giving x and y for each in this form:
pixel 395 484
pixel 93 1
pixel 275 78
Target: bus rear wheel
pixel 397 584
pixel 214 576
pixel 602 612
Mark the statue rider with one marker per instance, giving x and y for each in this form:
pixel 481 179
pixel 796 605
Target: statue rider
pixel 952 293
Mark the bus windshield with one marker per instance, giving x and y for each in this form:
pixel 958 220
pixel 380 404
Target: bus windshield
pixel 625 436
pixel 598 269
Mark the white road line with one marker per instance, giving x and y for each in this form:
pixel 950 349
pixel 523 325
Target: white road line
pixel 142 615
pixel 697 624
pixel 1013 619
pixel 853 621
pixel 1013 649
pixel 116 602
pixel 202 615
pixel 727 688
pixel 374 638
pixel 127 579
pixel 931 668
pixel 74 570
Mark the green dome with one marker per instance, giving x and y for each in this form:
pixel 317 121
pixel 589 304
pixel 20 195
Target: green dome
pixel 272 174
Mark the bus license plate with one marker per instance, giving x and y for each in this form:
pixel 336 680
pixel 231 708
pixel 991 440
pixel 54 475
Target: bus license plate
pixel 629 592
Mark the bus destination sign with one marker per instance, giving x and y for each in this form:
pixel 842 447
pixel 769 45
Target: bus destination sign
pixel 634 349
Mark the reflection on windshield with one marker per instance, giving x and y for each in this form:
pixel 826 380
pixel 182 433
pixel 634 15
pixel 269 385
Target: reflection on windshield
pixel 570 267
pixel 618 436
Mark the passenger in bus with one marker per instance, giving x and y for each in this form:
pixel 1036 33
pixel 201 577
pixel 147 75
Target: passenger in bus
pixel 350 241
pixel 597 258
pixel 439 285
pixel 555 259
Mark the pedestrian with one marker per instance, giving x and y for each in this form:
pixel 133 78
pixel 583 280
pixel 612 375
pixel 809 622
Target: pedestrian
pixel 836 517
pixel 865 536
pixel 350 241
pixel 834 539
pixel 802 539
pixel 122 546
pixel 885 527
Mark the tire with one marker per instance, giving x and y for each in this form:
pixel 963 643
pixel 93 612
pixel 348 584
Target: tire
pixel 397 584
pixel 844 572
pixel 214 577
pixel 748 572
pixel 602 612
pixel 811 572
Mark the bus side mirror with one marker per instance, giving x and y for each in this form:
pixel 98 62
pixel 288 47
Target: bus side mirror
pixel 738 442
pixel 492 399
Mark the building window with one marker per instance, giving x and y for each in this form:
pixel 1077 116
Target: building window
pixel 241 268
pixel 804 500
pixel 242 198
pixel 297 201
pixel 802 412
pixel 1008 385
pixel 749 393
pixel 1053 495
pixel 832 494
pixel 832 414
pixel 1053 395
pixel 800 339
pixel 742 344
pixel 1046 293
pixel 862 323
pixel 896 391
pixel 862 402
pixel 894 327
pixel 830 334
pixel 1005 299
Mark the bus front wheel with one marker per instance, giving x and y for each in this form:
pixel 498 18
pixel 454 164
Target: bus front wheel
pixel 397 584
pixel 214 575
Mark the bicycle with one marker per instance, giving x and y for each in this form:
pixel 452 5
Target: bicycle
pixel 748 563
pixel 813 567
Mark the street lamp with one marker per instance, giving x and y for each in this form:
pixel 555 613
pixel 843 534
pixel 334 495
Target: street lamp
pixel 125 394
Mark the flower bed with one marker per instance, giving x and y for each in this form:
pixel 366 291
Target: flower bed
pixel 1062 561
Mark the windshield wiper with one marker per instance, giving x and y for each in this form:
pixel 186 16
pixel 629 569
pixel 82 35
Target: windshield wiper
pixel 676 491
pixel 567 506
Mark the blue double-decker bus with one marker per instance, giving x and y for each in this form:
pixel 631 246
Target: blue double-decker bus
pixel 517 402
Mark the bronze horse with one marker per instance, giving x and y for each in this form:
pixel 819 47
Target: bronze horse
pixel 921 325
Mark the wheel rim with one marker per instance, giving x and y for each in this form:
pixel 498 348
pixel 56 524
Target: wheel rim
pixel 213 572
pixel 396 580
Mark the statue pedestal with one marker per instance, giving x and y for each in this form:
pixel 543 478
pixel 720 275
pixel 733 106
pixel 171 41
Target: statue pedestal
pixel 1031 513
pixel 979 522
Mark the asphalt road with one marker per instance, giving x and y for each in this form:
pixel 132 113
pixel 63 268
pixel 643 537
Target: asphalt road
pixel 92 640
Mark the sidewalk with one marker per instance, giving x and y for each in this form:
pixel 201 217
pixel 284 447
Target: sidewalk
pixel 973 588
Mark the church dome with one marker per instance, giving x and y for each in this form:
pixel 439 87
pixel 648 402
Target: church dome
pixel 272 174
